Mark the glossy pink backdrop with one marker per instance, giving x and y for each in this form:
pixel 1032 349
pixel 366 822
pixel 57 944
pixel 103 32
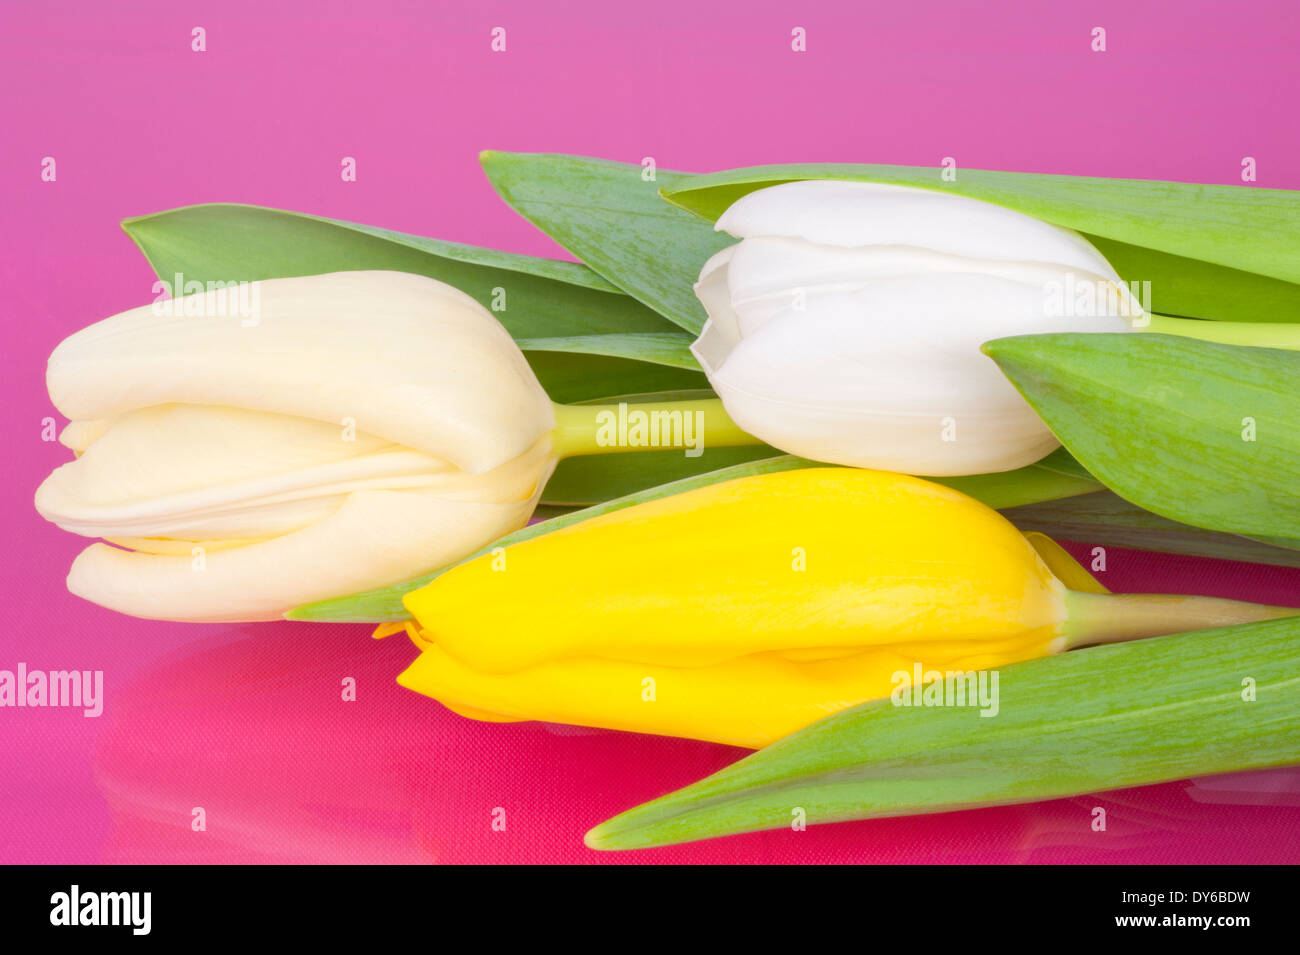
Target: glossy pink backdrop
pixel 247 722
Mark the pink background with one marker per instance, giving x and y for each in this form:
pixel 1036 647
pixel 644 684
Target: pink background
pixel 247 722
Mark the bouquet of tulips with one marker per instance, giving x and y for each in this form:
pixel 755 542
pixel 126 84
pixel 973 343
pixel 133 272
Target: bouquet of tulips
pixel 781 464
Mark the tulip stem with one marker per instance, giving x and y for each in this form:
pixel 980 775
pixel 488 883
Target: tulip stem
pixel 1093 619
pixel 1258 334
pixel 651 426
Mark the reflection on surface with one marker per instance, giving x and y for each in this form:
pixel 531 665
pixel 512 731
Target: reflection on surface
pixel 256 732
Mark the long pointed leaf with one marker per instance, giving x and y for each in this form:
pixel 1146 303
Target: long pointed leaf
pixel 660 348
pixel 1200 433
pixel 593 479
pixel 613 219
pixel 1085 721
pixel 571 377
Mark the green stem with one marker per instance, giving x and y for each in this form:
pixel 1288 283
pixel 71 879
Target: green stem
pixel 652 426
pixel 1258 334
pixel 1093 619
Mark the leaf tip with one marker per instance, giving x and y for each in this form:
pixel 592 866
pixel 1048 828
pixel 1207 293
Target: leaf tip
pixel 595 839
pixel 131 223
pixel 610 837
pixel 993 348
pixel 1009 351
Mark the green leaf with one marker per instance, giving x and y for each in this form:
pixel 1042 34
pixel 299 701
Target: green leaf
pixel 595 478
pixel 606 214
pixel 660 348
pixel 1201 433
pixel 1062 462
pixel 572 377
pixel 1190 289
pixel 1108 520
pixel 1129 714
pixel 1010 488
pixel 384 604
pixel 1209 251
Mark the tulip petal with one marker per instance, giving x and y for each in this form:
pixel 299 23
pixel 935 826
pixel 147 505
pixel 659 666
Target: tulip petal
pixel 375 538
pixel 769 276
pixel 833 212
pixel 713 291
pixel 902 561
pixel 406 358
pixel 206 471
pixel 750 701
pixel 907 390
pixel 79 435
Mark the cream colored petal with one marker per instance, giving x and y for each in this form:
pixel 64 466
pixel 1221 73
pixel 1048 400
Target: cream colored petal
pixel 837 213
pixel 376 538
pixel 206 473
pixel 407 359
pixel 198 471
pixel 79 435
pixel 168 545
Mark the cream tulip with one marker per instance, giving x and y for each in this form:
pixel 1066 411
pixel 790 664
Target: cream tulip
pixel 359 429
pixel 846 324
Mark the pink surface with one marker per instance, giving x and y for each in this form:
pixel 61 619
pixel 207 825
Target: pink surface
pixel 247 722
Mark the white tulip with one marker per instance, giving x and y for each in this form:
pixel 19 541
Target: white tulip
pixel 846 324
pixel 367 427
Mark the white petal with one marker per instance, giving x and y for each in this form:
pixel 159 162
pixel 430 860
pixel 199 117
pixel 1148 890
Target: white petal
pixel 769 276
pixel 376 538
pixel 833 212
pixel 711 348
pixel 714 294
pixel 879 377
pixel 408 359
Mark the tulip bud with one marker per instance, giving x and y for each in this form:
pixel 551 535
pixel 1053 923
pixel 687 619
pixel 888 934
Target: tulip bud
pixel 846 324
pixel 359 429
pixel 741 611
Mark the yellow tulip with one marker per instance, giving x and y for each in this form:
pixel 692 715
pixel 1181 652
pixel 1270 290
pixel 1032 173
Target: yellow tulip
pixel 742 611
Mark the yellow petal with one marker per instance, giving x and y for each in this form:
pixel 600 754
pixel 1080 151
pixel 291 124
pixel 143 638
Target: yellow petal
pixel 751 701
pixel 818 559
pixel 1064 567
